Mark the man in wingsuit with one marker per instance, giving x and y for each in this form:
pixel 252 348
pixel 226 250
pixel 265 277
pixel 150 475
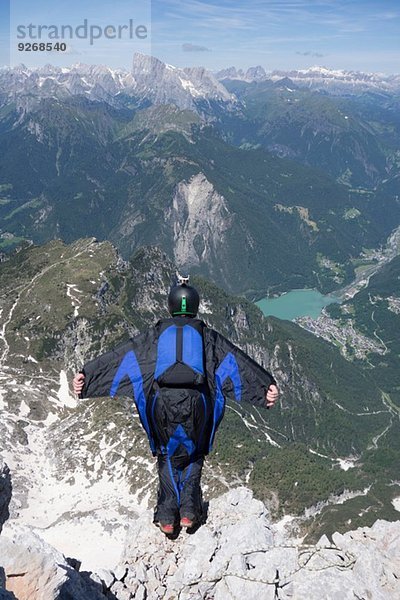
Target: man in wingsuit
pixel 181 373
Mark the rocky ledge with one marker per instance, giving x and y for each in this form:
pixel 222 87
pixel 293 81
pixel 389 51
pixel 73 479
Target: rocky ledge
pixel 238 553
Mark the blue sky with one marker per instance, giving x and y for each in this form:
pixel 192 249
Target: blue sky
pixel 282 34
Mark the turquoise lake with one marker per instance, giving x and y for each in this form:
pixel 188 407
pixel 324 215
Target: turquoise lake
pixel 297 303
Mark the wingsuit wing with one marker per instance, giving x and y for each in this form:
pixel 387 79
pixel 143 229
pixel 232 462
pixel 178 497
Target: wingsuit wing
pixel 238 375
pixel 128 370
pixel 232 375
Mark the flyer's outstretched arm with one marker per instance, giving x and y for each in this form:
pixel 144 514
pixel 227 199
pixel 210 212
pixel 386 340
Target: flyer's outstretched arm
pixel 127 370
pixel 97 376
pixel 237 375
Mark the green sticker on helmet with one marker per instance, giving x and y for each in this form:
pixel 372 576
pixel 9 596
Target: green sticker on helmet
pixel 183 304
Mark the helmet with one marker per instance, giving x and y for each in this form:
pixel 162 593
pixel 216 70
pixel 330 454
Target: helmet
pixel 183 299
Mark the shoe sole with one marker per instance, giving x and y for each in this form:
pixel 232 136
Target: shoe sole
pixel 163 528
pixel 187 525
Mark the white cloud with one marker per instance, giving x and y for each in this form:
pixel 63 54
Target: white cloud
pixel 194 48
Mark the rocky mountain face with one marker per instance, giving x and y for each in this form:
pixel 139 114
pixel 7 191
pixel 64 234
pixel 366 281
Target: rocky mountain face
pixel 152 81
pixel 201 221
pixel 33 570
pixel 27 87
pixel 162 83
pixel 238 552
pixel 257 73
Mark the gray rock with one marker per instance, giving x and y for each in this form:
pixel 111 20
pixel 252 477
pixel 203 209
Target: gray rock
pixel 120 571
pixel 160 591
pixel 131 581
pixel 120 591
pixel 141 593
pixel 94 577
pixel 198 211
pixel 236 588
pixel 153 575
pixel 332 584
pixel 34 570
pixel 165 85
pixel 28 570
pixel 141 572
pixel 237 554
pixel 197 554
pixel 106 576
pixel 133 587
pixel 323 541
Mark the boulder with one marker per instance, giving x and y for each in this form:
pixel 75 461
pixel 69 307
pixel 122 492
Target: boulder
pixel 34 570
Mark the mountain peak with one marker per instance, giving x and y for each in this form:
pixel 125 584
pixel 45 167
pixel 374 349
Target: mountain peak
pixel 163 83
pixel 256 73
pixel 142 62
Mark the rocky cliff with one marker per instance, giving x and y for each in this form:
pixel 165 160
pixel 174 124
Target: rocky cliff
pixel 236 553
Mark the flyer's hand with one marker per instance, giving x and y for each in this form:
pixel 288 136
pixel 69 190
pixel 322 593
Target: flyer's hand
pixel 78 383
pixel 272 395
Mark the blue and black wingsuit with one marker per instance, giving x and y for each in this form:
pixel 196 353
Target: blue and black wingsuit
pixel 181 374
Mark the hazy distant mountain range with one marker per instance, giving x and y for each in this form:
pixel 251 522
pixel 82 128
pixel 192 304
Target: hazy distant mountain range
pixel 319 78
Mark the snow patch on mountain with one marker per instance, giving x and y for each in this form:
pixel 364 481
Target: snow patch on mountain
pixel 396 503
pixel 63 393
pixel 81 515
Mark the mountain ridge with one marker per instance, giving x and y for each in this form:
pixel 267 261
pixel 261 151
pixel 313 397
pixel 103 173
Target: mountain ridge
pixel 149 79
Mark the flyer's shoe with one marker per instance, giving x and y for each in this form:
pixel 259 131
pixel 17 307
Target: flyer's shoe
pixel 185 522
pixel 166 528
